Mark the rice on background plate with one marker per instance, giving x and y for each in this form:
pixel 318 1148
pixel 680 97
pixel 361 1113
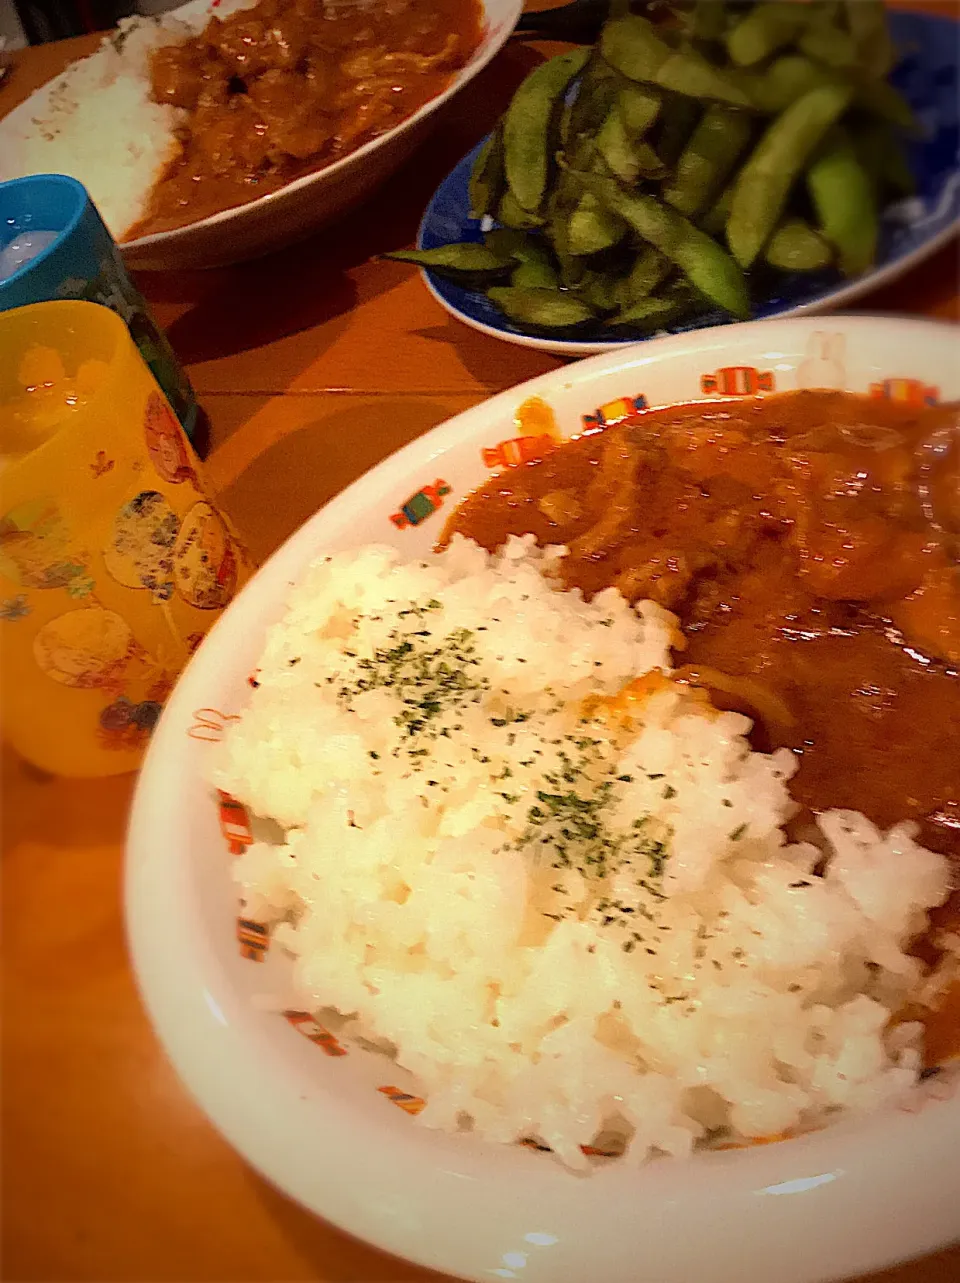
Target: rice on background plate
pixel 552 883
pixel 99 124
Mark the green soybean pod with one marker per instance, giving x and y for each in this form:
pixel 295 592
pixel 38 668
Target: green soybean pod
pixel 787 78
pixel 534 265
pixel 599 291
pixel 512 214
pixel 676 124
pixel 639 107
pixel 881 154
pixel 487 180
pixel 764 30
pixel 616 148
pixel 796 247
pixel 881 99
pixel 595 92
pixel 708 20
pixel 826 41
pixel 627 159
pixel 650 313
pixel 867 20
pixel 593 227
pixel 714 220
pixel 709 268
pixel 843 197
pixel 461 256
pixel 546 309
pixel 527 126
pixel 632 46
pixel 649 269
pixel 508 242
pixel 715 146
pixel 765 180
pixel 561 206
pixel 536 274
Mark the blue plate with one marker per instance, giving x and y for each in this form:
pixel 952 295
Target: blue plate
pixel 910 231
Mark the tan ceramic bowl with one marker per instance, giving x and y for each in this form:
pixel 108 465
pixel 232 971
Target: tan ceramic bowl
pixel 294 211
pixel 301 207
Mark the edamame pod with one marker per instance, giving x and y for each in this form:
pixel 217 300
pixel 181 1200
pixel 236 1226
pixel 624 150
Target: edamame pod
pixel 674 128
pixel 787 78
pixel 632 45
pixel 714 148
pixel 708 20
pixel 764 30
pixel 487 181
pixel 512 214
pixel 535 274
pixel 639 107
pixel 764 182
pixel 881 154
pixel 714 220
pixel 593 227
pixel 461 256
pixel 867 20
pixel 796 247
pixel 599 291
pixel 792 75
pixel 528 123
pixel 827 42
pixel 843 198
pixel 623 157
pixel 709 268
pixel 649 269
pixel 881 99
pixel 534 265
pixel 594 97
pixel 545 309
pixel 650 313
pixel 616 149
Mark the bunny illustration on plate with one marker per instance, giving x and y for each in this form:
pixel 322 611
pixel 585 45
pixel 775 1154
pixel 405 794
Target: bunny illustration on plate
pixel 825 363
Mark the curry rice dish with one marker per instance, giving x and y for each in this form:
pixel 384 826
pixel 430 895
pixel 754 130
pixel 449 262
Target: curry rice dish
pixel 526 851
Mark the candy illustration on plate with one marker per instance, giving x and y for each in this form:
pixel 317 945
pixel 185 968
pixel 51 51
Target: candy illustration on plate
pixel 421 505
pixel 906 391
pixel 614 411
pixel 737 380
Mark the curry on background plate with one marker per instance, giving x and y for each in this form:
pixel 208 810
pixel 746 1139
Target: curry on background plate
pixel 277 91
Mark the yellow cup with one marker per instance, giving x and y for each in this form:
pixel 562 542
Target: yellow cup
pixel 114 563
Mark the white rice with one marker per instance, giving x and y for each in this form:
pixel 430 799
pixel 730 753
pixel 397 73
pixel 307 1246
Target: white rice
pixel 667 968
pixel 97 123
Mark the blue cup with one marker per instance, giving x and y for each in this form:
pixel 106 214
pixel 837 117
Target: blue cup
pixel 51 222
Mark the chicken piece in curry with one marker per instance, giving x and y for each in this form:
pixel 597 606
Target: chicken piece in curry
pixel 276 91
pixel 809 544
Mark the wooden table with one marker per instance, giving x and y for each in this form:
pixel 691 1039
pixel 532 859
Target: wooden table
pixel 312 365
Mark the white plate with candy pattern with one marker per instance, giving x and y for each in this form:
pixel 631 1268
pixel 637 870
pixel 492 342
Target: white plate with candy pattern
pixel 330 1122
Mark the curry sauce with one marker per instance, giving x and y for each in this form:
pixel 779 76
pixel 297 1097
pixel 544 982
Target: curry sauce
pixel 279 90
pixel 808 544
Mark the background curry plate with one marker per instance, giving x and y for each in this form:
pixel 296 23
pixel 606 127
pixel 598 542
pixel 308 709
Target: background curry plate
pixel 306 204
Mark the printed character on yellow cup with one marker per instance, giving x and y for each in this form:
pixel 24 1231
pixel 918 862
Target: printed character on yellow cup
pixel 205 563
